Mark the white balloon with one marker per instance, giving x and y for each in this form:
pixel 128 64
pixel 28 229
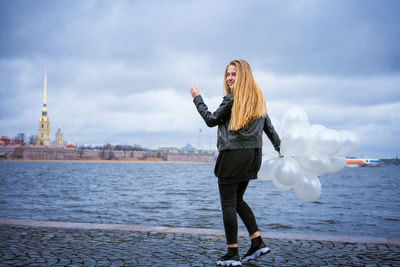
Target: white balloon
pixel 267 170
pixel 308 189
pixel 351 142
pixel 296 140
pixel 281 186
pixel 287 171
pixel 307 174
pixel 312 162
pixel 292 116
pixel 310 151
pixel 327 142
pixel 316 129
pixel 337 163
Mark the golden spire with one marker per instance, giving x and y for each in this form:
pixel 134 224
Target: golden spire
pixel 43 137
pixel 44 109
pixel 45 86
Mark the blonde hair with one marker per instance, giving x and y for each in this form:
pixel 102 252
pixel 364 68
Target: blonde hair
pixel 248 98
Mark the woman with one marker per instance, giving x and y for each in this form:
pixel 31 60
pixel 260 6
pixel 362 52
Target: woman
pixel 241 120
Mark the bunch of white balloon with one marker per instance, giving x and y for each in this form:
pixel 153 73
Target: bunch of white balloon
pixel 309 151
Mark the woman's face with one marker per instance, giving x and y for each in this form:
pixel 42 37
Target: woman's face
pixel 231 75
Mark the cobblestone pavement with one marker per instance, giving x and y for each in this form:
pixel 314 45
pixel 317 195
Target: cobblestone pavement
pixel 48 246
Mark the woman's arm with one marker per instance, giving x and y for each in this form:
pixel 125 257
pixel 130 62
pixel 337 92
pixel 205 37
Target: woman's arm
pixel 218 116
pixel 272 135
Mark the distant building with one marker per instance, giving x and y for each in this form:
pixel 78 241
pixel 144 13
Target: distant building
pixel 4 140
pixel 188 148
pixel 43 137
pixel 59 137
pixel 168 149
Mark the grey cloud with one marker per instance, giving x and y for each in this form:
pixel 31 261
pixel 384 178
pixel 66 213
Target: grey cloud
pixel 307 90
pixel 100 55
pixel 339 37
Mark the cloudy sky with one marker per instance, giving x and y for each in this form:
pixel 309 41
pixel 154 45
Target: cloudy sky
pixel 120 71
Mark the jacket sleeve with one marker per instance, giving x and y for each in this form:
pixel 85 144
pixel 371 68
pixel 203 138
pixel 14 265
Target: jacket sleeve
pixel 271 133
pixel 218 116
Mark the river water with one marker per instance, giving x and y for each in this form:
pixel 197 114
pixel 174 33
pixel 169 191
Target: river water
pixel 354 201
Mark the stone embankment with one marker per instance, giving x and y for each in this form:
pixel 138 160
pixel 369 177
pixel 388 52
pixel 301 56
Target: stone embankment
pixel 72 244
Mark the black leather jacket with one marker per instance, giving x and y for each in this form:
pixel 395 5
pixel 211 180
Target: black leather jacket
pixel 248 137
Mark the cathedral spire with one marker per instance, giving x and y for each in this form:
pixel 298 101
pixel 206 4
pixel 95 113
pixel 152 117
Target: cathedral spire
pixel 44 109
pixel 43 137
pixel 45 87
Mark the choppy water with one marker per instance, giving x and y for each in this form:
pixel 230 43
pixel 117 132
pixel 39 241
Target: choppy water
pixel 354 201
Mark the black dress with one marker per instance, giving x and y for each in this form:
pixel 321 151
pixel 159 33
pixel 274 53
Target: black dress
pixel 238 165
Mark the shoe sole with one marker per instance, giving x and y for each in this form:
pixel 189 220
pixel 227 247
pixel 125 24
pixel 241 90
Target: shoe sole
pixel 229 263
pixel 257 254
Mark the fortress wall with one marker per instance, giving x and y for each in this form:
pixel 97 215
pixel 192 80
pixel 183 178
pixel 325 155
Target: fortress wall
pixel 54 153
pixel 192 157
pixel 6 152
pixel 142 155
pixel 43 153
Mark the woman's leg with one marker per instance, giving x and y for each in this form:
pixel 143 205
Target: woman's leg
pixel 228 196
pixel 245 212
pixel 258 247
pixel 228 203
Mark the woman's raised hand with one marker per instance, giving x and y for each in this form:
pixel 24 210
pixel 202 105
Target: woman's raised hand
pixel 194 91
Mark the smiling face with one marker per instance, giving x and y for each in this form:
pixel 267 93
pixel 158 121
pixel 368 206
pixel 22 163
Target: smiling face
pixel 231 76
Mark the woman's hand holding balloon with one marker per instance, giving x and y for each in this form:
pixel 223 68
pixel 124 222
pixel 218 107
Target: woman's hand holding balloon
pixel 310 150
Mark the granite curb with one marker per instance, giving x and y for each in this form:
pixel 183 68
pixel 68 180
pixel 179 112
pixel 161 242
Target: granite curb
pixel 199 231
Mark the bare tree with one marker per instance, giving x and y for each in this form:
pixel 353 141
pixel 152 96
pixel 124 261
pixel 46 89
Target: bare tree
pixel 108 147
pixel 104 149
pixel 81 149
pixel 32 139
pixel 102 153
pixel 118 147
pixel 20 138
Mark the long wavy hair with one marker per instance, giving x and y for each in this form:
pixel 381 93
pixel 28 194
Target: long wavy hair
pixel 248 99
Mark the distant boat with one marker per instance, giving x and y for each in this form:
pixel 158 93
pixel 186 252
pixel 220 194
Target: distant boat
pixel 357 162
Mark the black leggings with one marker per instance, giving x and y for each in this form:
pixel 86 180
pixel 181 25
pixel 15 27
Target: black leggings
pixel 231 202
